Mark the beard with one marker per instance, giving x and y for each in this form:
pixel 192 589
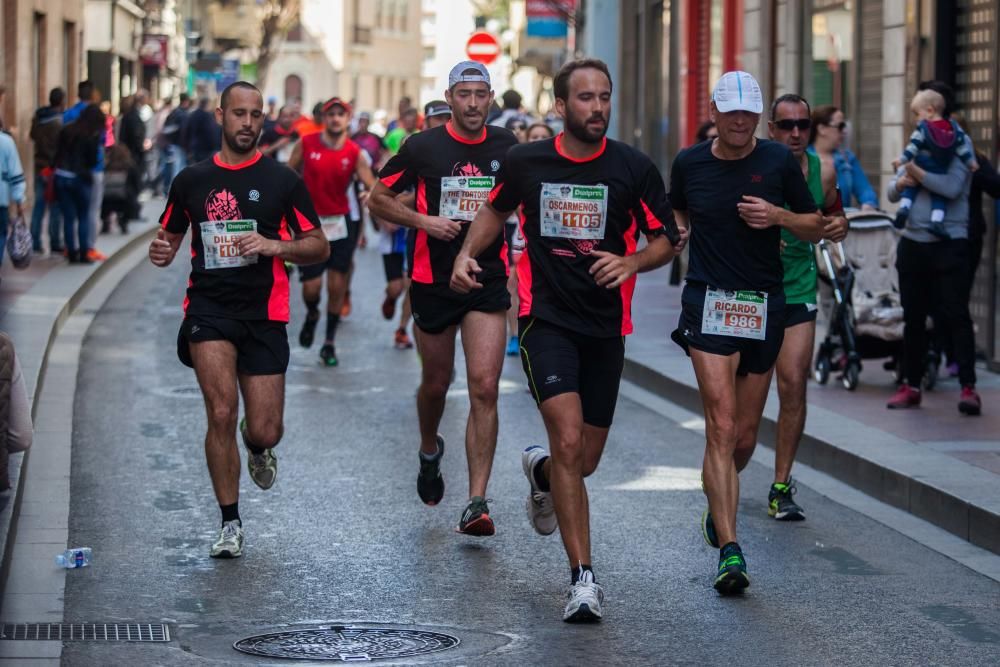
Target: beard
pixel 240 143
pixel 584 132
pixel 467 123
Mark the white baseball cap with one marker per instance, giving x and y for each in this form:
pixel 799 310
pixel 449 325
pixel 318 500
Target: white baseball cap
pixel 738 91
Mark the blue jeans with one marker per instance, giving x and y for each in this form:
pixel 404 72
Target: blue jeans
pixel 173 161
pixel 38 214
pixel 4 224
pixel 74 200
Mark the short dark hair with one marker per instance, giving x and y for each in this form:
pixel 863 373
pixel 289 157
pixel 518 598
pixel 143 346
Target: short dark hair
pixel 85 89
pixel 511 99
pixel 560 85
pixel 57 96
pixel 412 111
pixel 821 116
pixel 224 100
pixel 702 133
pixel 183 97
pixel 946 91
pixel 792 98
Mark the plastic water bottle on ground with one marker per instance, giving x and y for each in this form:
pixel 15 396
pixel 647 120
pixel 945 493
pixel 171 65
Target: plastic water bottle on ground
pixel 74 558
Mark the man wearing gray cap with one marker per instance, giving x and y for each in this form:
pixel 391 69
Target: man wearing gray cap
pixel 732 192
pixel 453 168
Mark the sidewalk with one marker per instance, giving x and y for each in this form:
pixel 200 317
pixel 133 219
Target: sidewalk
pixel 933 462
pixel 34 305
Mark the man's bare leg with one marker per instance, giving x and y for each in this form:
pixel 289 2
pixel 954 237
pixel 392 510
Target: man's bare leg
pixel 792 369
pixel 264 402
pixel 215 367
pixel 438 354
pixel 483 336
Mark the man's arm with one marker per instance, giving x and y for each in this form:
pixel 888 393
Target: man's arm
pixel 486 226
pixel 383 204
pixel 835 223
pixel 163 248
pixel 950 185
pixel 295 159
pixel 363 170
pixel 761 214
pixel 310 247
pixel 611 271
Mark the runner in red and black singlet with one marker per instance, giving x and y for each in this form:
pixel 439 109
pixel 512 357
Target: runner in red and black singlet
pixel 586 199
pixel 453 169
pixel 248 215
pixel 330 163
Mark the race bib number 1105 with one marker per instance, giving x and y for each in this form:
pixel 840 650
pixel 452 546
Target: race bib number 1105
pixel 219 238
pixel 573 211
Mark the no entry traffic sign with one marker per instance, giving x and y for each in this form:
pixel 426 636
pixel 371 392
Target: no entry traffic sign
pixel 483 48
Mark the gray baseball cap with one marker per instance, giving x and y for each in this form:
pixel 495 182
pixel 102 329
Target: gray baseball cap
pixel 457 76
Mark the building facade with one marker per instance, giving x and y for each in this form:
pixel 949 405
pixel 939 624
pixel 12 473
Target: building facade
pixel 111 38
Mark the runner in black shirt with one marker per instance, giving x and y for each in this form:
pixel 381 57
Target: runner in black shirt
pixel 731 191
pixel 453 169
pixel 586 200
pixel 243 211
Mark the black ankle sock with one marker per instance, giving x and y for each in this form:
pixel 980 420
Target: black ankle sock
pixel 231 512
pixel 538 472
pixel 729 548
pixel 577 572
pixel 312 308
pixel 332 320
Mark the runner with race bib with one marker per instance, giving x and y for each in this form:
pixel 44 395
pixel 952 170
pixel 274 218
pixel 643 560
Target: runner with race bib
pixel 731 191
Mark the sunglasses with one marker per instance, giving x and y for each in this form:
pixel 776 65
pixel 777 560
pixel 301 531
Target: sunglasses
pixel 789 124
pixel 840 126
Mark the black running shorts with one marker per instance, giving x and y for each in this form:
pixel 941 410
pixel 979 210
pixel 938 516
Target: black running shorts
pixel 437 307
pixel 799 313
pixel 756 356
pixel 261 345
pixel 561 361
pixel 393 265
pixel 341 255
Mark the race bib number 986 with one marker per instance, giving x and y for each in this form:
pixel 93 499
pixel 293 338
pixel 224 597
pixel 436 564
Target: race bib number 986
pixel 573 211
pixel 741 314
pixel 219 238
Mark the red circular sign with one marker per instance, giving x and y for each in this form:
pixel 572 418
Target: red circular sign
pixel 482 47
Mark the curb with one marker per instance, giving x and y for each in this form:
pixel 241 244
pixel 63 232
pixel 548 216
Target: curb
pixel 978 525
pixel 19 462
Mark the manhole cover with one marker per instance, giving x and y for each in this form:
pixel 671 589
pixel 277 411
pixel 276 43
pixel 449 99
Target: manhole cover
pixel 346 643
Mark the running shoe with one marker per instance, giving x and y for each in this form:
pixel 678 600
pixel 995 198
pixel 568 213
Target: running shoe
pixel 476 519
pixel 230 541
pixel 708 529
pixel 541 511
pixel 263 467
pixel 780 504
pixel 512 347
pixel 308 332
pixel 430 483
pixel 905 397
pixel 345 309
pixel 402 340
pixel 388 307
pixel 732 577
pixel 328 354
pixel 969 402
pixel 585 599
pixel 96 255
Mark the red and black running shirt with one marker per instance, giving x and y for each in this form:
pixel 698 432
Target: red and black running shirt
pixel 572 208
pixel 430 159
pixel 262 190
pixel 328 173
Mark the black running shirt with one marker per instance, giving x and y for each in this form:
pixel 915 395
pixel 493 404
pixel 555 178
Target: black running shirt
pixel 726 253
pixel 452 176
pixel 204 197
pixel 572 208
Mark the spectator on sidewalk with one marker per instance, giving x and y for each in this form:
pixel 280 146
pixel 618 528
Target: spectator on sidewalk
pixel 171 141
pixel 826 139
pixel 77 156
pixel 45 127
pixel 132 132
pixel 87 94
pixel 15 411
pixel 204 134
pixel 12 188
pixel 933 270
pixel 122 183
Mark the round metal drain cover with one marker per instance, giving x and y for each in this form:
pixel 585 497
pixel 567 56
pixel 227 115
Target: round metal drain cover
pixel 344 643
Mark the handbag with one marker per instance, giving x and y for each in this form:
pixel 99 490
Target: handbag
pixel 19 243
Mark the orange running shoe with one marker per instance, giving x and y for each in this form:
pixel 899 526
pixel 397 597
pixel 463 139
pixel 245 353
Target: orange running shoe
pixel 96 255
pixel 402 340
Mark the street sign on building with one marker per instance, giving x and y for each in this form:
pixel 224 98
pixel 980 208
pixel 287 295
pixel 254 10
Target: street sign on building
pixel 483 47
pixel 548 18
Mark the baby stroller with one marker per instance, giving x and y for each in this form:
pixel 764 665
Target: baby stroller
pixel 864 311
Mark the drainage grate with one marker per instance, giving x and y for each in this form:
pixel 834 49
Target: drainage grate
pixel 346 643
pixel 87 632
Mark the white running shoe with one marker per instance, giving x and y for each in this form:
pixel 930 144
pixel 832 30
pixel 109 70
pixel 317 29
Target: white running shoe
pixel 230 542
pixel 585 598
pixel 541 511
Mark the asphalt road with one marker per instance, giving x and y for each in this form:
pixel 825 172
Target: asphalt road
pixel 342 537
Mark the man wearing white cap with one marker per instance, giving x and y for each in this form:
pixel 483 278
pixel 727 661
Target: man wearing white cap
pixel 732 192
pixel 453 169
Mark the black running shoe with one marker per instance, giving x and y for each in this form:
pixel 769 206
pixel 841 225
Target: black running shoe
pixel 308 331
pixel 732 577
pixel 476 519
pixel 328 354
pixel 430 483
pixel 780 504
